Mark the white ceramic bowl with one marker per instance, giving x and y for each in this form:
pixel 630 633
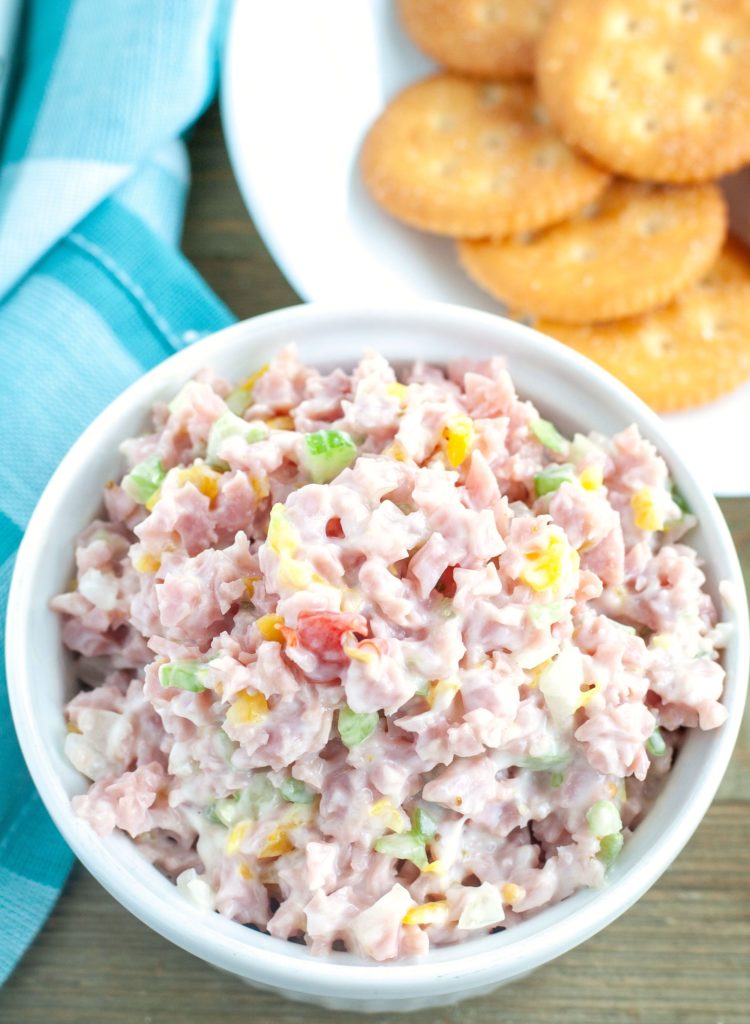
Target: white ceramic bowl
pixel 572 392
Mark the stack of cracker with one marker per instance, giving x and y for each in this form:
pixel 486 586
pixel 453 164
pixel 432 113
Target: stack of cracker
pixel 572 149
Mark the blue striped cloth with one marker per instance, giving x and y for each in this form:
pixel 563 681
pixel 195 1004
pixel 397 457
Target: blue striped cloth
pixel 93 177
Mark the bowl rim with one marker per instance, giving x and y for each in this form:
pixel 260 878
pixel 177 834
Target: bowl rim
pixel 261 957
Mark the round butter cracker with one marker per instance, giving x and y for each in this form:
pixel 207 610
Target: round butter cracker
pixel 633 250
pixel 653 89
pixel 686 354
pixel 474 159
pixel 732 266
pixel 487 38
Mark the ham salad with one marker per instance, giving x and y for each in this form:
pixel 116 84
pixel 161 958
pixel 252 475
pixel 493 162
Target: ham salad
pixel 380 661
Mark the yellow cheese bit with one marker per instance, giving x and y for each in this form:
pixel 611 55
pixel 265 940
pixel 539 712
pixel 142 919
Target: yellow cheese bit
pixel 244 872
pixel 662 641
pixel 436 868
pixel 586 695
pixel 427 913
pixel 150 504
pixel 282 537
pixel 236 836
pixel 72 727
pixel 250 582
pixel 201 477
pixel 277 843
pixel 459 437
pixel 260 487
pixel 360 654
pixel 394 819
pixel 252 380
pixel 647 516
pixel 247 709
pixel 268 627
pixel 395 451
pixel 399 391
pixel 295 573
pixel 512 892
pixel 591 478
pixel 298 814
pixel 280 423
pixel 548 567
pixel 148 563
pixel 442 692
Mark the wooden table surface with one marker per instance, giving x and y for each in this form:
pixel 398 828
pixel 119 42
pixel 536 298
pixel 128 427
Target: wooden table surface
pixel 680 956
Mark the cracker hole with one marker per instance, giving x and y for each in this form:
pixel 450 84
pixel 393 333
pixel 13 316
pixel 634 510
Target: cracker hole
pixel 669 65
pixel 633 26
pixel 613 85
pixel 546 158
pixel 652 226
pixel 687 9
pixel 491 95
pixel 581 253
pixel 539 114
pixel 656 344
pixel 709 105
pixel 493 140
pixel 444 123
pixel 728 47
pixel 492 13
pixel 500 183
pixel 447 169
pixel 589 211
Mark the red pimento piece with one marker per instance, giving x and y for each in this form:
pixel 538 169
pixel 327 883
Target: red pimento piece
pixel 323 632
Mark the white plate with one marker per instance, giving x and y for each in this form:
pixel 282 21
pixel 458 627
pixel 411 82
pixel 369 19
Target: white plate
pixel 302 81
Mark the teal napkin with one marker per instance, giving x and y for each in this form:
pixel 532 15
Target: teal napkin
pixel 93 291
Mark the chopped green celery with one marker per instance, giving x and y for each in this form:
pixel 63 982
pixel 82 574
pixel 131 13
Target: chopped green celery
pixel 259 793
pixel 229 425
pixel 406 846
pixel 544 763
pixel 549 436
pixel 181 400
pixel 581 447
pixel 422 825
pixel 145 479
pixel 609 848
pixel 445 608
pixel 556 779
pixel 184 675
pixel 679 499
pixel 223 812
pixel 549 479
pixel 250 802
pixel 546 614
pixel 327 453
pixel 354 728
pixel 655 744
pixel 224 746
pixel 603 818
pixel 239 400
pixel 560 685
pixel 296 792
